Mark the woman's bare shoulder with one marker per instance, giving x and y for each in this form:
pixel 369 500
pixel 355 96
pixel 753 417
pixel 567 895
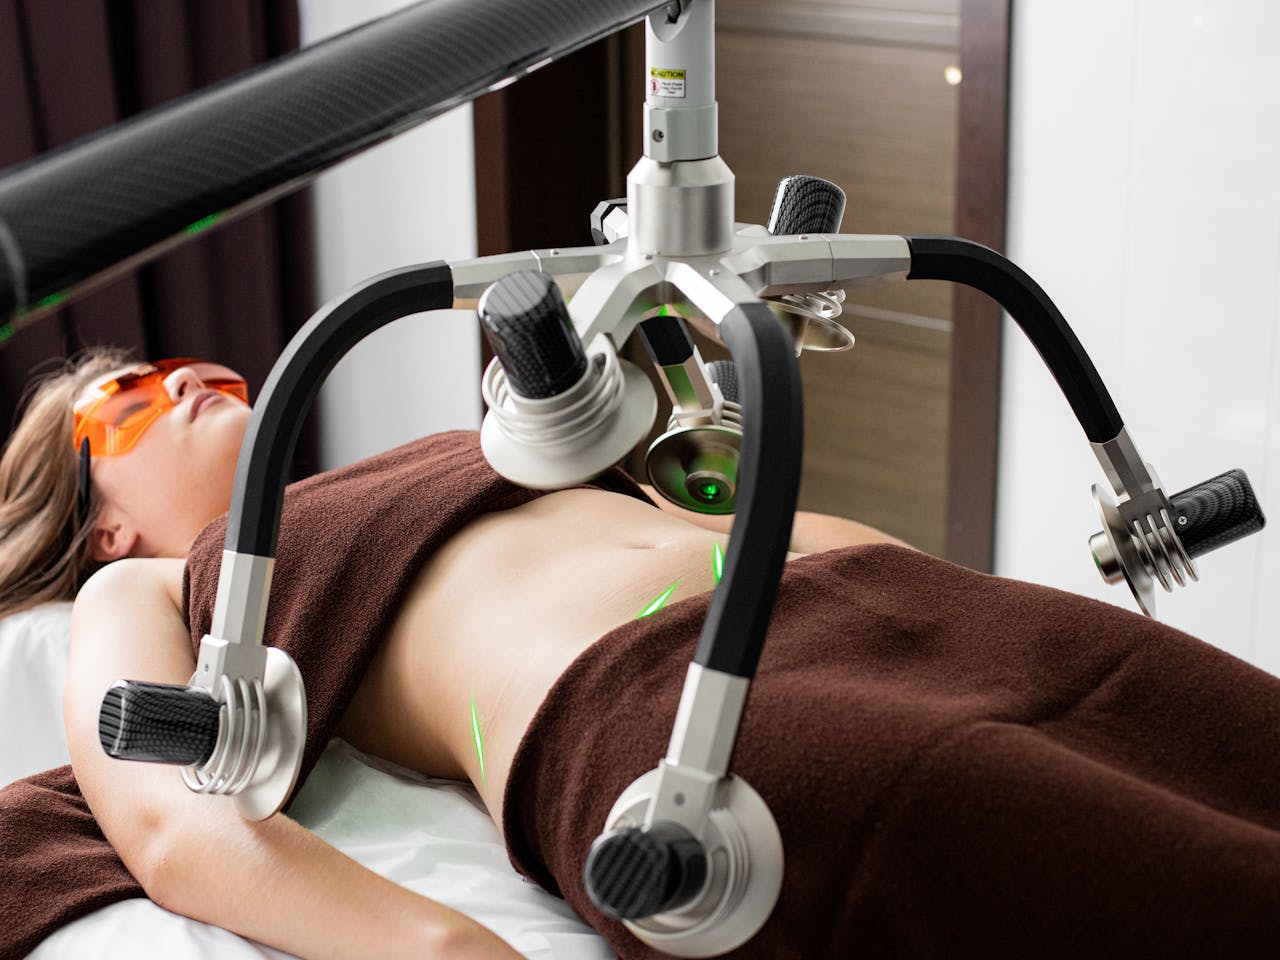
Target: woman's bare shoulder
pixel 131 581
pixel 115 602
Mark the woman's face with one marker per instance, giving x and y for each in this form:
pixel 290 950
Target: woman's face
pixel 160 494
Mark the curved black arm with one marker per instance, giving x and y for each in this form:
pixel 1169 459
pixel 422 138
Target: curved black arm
pixel 963 261
pixel 772 398
pixel 121 196
pixel 254 521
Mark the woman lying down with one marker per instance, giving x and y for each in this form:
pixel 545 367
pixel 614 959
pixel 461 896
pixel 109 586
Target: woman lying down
pixel 960 765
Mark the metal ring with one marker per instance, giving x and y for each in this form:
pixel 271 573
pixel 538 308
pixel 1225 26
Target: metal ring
pixel 1157 533
pixel 820 310
pixel 1147 557
pixel 602 396
pixel 241 741
pixel 1187 563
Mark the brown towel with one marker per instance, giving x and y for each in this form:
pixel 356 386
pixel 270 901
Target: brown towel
pixel 960 765
pixel 350 543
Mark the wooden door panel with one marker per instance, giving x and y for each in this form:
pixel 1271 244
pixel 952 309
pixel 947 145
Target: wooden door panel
pixel 879 120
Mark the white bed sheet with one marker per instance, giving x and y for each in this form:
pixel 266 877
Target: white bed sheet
pixel 432 836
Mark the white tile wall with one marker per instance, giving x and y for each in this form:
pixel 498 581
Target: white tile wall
pixel 1145 198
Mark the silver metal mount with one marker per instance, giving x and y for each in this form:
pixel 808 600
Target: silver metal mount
pixel 1139 541
pixel 551 443
pixel 812 318
pixel 262 724
pixel 613 288
pixel 262 729
pixel 745 865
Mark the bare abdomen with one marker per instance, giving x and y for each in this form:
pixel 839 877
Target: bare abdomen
pixel 501 611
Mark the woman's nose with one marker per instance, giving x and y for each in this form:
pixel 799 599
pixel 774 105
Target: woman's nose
pixel 181 381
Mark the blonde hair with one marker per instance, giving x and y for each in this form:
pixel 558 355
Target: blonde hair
pixel 45 549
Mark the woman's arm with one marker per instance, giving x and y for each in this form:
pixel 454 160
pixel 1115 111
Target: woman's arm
pixel 810 532
pixel 273 881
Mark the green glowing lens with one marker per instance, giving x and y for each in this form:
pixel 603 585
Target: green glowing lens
pixel 709 490
pixel 717 563
pixel 475 735
pixel 657 604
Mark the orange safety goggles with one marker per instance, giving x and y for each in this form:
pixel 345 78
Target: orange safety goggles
pixel 112 416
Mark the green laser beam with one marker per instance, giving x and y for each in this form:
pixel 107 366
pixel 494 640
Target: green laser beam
pixel 717 563
pixel 657 604
pixel 475 735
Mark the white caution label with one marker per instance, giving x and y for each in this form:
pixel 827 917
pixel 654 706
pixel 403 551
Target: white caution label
pixel 666 83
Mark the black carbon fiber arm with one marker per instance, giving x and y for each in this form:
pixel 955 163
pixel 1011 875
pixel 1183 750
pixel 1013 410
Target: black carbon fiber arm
pixel 73 218
pixel 253 524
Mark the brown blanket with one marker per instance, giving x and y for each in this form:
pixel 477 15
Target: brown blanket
pixel 350 543
pixel 961 766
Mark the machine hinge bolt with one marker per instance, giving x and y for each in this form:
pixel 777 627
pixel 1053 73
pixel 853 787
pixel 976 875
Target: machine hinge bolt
pixel 658 136
pixel 1182 521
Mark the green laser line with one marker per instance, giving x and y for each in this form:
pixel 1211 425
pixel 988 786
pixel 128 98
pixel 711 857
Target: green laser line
pixel 717 563
pixel 657 604
pixel 202 223
pixel 475 734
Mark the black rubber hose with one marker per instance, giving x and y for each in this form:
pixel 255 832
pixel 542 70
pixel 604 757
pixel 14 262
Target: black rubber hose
pixel 68 217
pixel 772 399
pixel 972 264
pixel 253 525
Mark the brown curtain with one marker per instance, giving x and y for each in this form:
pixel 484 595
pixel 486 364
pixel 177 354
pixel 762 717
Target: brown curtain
pixel 236 294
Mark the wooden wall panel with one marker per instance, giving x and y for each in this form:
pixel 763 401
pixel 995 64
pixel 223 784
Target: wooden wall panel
pixel 879 120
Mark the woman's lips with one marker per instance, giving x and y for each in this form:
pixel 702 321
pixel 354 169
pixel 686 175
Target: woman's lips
pixel 202 400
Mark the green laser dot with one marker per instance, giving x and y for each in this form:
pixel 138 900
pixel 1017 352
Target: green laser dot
pixel 475 735
pixel 717 563
pixel 657 604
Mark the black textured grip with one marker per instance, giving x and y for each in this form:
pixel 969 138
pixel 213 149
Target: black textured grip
pixel 527 323
pixel 1217 512
pixel 724 373
pixel 158 722
pixel 633 873
pixel 804 204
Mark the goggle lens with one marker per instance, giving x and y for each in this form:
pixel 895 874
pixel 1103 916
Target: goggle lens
pixel 115 414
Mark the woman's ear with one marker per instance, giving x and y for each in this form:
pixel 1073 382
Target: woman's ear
pixel 111 538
